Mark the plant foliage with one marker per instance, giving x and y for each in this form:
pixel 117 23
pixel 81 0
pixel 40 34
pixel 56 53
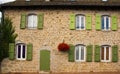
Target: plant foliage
pixel 7 35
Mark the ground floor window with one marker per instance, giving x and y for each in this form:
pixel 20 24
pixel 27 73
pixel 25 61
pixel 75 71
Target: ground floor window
pixel 80 52
pixel 21 51
pixel 105 53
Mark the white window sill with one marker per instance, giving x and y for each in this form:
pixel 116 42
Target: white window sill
pixel 79 60
pixel 106 30
pixel 80 29
pixel 32 28
pixel 20 59
pixel 105 61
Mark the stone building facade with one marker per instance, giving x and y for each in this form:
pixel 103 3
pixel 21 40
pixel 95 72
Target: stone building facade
pixel 56 28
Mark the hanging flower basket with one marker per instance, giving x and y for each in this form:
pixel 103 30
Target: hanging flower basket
pixel 63 47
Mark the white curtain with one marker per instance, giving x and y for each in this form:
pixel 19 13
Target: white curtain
pixel 32 21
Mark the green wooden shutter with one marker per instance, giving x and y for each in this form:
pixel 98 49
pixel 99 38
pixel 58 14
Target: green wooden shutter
pixel 40 21
pixel 115 53
pixel 45 60
pixel 71 53
pixel 11 51
pixel 23 21
pixel 98 22
pixel 97 53
pixel 72 21
pixel 29 52
pixel 89 53
pixel 114 23
pixel 88 22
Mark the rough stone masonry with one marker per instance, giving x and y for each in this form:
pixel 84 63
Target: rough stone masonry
pixel 55 29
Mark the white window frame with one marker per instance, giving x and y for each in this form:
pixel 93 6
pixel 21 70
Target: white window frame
pixel 104 0
pixel 80 60
pixel 106 16
pixel 21 44
pixel 105 53
pixel 47 0
pixel 28 0
pixel 1 17
pixel 79 21
pixel 32 25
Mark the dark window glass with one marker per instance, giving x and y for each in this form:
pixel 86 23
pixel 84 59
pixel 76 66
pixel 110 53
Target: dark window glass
pixel 23 53
pixel 77 53
pixel 102 53
pixel 107 53
pixel 103 22
pixel 19 51
pixel 107 23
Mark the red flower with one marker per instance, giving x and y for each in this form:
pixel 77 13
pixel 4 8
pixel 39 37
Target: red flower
pixel 63 47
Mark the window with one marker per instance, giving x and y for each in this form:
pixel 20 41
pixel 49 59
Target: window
pixel 21 52
pixel 80 52
pixel 80 22
pixel 32 21
pixel 0 17
pixel 105 22
pixel 105 53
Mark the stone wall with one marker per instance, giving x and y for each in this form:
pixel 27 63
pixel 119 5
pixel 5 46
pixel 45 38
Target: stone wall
pixel 56 28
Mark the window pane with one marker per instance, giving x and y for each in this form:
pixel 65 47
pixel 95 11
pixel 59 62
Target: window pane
pixel 107 53
pixel 82 22
pixel 82 53
pixel 23 52
pixel 34 21
pixel 77 53
pixel 107 22
pixel 0 16
pixel 77 22
pixel 19 51
pixel 102 53
pixel 30 21
pixel 103 22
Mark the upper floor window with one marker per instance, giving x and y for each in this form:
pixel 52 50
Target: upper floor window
pixel 105 53
pixel 0 16
pixel 105 22
pixel 80 22
pixel 80 52
pixel 32 21
pixel 21 51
